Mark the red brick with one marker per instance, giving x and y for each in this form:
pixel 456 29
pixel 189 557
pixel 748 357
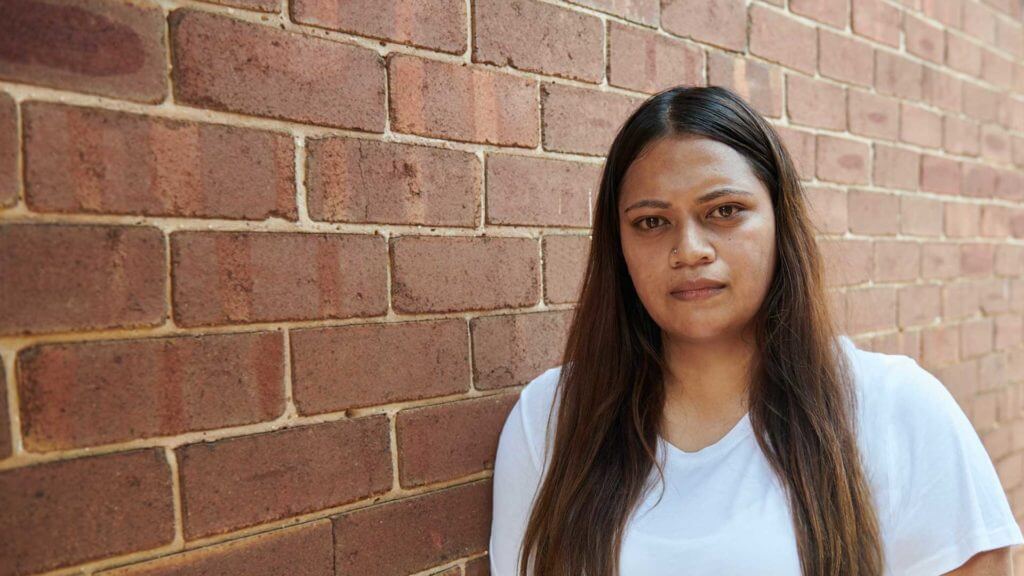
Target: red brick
pixel 997 70
pixel 827 209
pixel 979 180
pixel 895 167
pixel 847 262
pixel 1009 329
pixel 874 116
pixel 940 175
pixel 873 213
pixel 642 11
pixel 995 144
pixel 642 60
pixel 1009 184
pixel 977 260
pixel 478 567
pixel 841 160
pixel 961 136
pixel 920 126
pixel 416 533
pixel 920 216
pixel 877 20
pixel 816 103
pixel 9 147
pixel 71 511
pixel 801 148
pixel 1009 260
pixel 370 181
pixel 783 39
pixel 898 76
pixel 963 55
pixel 919 304
pixel 870 309
pixel 432 24
pixel 845 59
pixel 897 261
pixel 91 393
pixel 942 90
pixel 344 367
pixel 1010 37
pixel 539 37
pixel 924 39
pixel 940 261
pixel 100 47
pixel 231 277
pixel 100 161
pixel 6 448
pixel 580 120
pixel 80 277
pixel 257 5
pixel 962 220
pixel 995 222
pixel 447 274
pixel 303 550
pixel 227 64
pixel 533 191
pixel 982 103
pixel 512 349
pixel 758 83
pixel 835 13
pixel 565 261
pixel 947 12
pixel 980 22
pixel 460 102
pixel 721 23
pixel 976 337
pixel 240 482
pixel 452 440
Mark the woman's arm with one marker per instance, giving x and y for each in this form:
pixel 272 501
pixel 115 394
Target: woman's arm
pixel 996 562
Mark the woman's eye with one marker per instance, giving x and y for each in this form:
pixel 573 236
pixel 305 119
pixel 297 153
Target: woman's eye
pixel 734 208
pixel 639 222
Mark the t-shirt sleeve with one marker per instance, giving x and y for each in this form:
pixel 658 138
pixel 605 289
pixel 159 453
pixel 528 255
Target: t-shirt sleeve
pixel 948 501
pixel 517 476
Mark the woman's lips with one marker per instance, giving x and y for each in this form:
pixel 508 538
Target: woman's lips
pixel 701 294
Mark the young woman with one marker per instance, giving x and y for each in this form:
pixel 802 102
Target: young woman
pixel 707 418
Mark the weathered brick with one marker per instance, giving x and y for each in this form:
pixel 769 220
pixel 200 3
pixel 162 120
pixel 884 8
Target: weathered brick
pixel 581 120
pixel 447 274
pixel 897 261
pixel 918 304
pixel 432 24
pixel 642 11
pixel 899 76
pixel 877 20
pixel 345 367
pixel 257 5
pixel 230 277
pixel 940 175
pixel 835 13
pixel 963 55
pixel 982 103
pixel 535 191
pixel 940 260
pixel 947 12
pixel 1009 184
pixel 942 90
pixel 980 22
pixel 873 213
pixel 800 145
pixel 871 309
pixel 920 216
pixel 90 393
pixel 101 161
pixel 758 83
pixel 415 533
pixel 995 144
pixel 873 116
pixel 978 260
pixel 460 102
pixel 565 261
pixel 995 222
pixel 827 209
pixel 979 180
pixel 101 47
pixel 512 349
pixel 240 482
pixel 642 60
pixel 478 566
pixel 303 550
pixel 816 103
pixel 845 59
pixel 448 441
pixel 57 277
pixel 783 39
pixel 227 64
pixel 370 181
pixel 70 511
pixel 847 262
pixel 9 146
pixel 961 136
pixel 997 69
pixel 841 160
pixel 721 23
pixel 539 37
pixel 5 423
pixel 920 126
pixel 924 39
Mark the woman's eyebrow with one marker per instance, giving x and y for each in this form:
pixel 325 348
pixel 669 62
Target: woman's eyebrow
pixel 708 197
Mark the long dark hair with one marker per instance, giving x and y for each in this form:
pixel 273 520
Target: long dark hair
pixel 611 394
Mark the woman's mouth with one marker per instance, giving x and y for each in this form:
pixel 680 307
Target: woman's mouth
pixel 699 294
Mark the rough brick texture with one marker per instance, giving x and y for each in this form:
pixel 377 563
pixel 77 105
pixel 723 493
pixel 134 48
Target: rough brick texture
pixel 273 273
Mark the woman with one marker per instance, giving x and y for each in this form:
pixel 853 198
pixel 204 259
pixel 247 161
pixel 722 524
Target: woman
pixel 707 418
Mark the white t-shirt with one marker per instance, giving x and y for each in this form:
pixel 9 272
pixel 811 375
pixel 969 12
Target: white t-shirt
pixel 724 512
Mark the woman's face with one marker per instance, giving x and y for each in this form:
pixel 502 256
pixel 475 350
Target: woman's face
pixel 700 197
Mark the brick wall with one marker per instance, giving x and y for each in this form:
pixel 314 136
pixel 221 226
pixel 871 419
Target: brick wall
pixel 272 272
